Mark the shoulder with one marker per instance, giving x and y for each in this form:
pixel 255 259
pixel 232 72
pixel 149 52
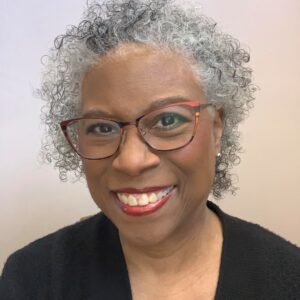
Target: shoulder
pixel 263 258
pixel 68 238
pixel 253 235
pixel 277 259
pixel 36 266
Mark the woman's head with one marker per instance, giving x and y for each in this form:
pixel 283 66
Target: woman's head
pixel 164 29
pixel 129 184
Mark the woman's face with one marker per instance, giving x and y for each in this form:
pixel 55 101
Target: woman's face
pixel 124 88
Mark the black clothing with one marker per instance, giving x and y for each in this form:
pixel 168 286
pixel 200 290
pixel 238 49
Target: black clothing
pixel 85 261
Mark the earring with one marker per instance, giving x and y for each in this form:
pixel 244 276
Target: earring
pixel 219 154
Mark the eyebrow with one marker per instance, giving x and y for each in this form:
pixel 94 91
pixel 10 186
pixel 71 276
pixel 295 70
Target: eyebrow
pixel 156 104
pixel 169 100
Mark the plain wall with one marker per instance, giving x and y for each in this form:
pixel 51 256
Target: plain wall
pixel 34 202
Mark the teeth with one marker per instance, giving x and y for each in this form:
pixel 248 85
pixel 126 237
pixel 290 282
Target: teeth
pixel 153 198
pixel 142 199
pixel 123 198
pixel 132 201
pixel 160 194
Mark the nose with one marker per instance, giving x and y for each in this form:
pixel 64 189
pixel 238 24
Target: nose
pixel 134 156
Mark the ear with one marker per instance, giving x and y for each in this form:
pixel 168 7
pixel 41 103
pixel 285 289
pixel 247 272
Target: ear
pixel 218 128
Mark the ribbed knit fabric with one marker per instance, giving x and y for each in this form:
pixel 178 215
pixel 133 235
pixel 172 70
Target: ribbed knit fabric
pixel 85 261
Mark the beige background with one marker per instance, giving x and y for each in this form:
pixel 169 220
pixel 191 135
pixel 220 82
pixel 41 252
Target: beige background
pixel 33 202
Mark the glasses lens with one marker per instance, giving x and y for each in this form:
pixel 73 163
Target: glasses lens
pixel 94 138
pixel 168 128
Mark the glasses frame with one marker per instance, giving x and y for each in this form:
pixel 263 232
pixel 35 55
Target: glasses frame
pixel 194 104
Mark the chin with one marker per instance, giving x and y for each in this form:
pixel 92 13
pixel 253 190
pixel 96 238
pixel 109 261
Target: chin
pixel 148 236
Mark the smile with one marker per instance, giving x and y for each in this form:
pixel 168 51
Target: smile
pixel 142 203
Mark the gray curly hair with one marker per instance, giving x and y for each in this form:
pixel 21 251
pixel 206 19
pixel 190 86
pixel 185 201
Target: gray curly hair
pixel 217 57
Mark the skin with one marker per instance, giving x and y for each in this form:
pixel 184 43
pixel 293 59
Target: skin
pixel 178 246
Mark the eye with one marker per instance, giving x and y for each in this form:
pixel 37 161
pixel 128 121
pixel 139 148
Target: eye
pixel 102 128
pixel 169 121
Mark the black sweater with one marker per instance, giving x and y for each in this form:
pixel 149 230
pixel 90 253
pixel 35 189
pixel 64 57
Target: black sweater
pixel 85 261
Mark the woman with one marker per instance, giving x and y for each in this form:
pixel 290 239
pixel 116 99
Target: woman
pixel 144 99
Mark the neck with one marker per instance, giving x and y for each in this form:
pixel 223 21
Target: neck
pixel 192 245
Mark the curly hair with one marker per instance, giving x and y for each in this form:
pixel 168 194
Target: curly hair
pixel 217 58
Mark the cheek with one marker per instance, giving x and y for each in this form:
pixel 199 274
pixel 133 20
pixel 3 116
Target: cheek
pixel 96 174
pixel 197 160
pixel 94 168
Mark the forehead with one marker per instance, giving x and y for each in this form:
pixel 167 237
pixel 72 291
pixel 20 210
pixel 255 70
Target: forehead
pixel 129 79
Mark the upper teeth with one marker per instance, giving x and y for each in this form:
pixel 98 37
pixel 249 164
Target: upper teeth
pixel 143 199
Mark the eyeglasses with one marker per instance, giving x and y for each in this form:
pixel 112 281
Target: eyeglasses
pixel 167 128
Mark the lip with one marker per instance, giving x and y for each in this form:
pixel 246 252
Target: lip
pixel 146 209
pixel 131 190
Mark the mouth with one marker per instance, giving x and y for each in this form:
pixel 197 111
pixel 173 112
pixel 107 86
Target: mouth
pixel 145 201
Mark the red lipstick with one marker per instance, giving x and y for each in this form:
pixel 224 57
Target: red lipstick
pixel 145 209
